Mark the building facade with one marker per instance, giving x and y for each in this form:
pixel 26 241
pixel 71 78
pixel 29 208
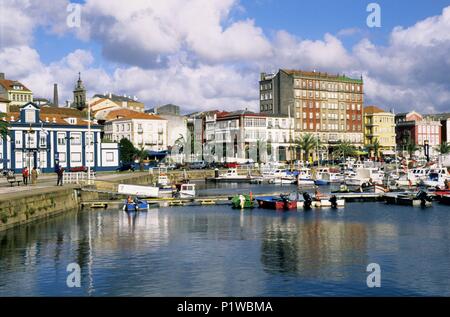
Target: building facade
pixel 143 130
pixel 412 127
pixel 242 136
pixel 379 125
pixel 14 91
pixel 41 140
pixel 330 106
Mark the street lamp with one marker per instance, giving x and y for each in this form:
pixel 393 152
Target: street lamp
pixel 426 148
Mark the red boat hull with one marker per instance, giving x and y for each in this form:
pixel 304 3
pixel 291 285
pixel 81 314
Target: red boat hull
pixel 277 204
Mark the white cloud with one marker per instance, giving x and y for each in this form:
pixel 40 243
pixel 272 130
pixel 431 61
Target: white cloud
pixel 196 54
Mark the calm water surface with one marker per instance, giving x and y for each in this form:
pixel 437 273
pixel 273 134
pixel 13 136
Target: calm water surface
pixel 217 251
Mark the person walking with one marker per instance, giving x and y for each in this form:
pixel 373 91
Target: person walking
pixel 59 172
pixel 25 174
pixel 34 176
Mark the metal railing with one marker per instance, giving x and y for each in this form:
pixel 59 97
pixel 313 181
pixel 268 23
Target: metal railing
pixel 79 178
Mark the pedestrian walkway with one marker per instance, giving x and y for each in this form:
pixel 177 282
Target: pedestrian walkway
pixel 49 180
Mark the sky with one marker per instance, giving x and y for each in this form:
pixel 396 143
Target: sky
pixel 208 54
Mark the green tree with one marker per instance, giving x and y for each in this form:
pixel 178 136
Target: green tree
pixel 127 150
pixel 306 142
pixel 344 149
pixel 443 148
pixel 141 155
pixel 4 125
pixel 411 148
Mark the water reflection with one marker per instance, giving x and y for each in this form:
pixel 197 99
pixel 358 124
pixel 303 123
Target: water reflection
pixel 216 251
pixel 313 248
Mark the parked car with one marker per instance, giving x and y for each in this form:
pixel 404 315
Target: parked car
pixel 126 167
pixel 197 165
pixel 231 165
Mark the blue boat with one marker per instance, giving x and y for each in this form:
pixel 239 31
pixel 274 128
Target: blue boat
pixel 136 206
pixel 321 182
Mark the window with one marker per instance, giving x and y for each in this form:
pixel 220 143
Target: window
pixel 43 141
pixel 18 139
pixel 75 139
pixel 75 157
pixel 61 138
pixel 90 157
pixel 30 116
pixel 62 157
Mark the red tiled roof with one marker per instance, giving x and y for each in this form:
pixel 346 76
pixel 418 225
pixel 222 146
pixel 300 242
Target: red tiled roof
pixel 8 84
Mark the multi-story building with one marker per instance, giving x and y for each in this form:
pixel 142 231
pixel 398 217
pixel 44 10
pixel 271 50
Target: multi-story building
pixel 14 91
pixel 243 135
pixel 413 128
pixel 330 106
pixel 42 137
pixel 379 125
pixel 146 131
pixel 444 118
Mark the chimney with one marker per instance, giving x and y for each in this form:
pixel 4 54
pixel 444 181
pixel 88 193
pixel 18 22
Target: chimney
pixel 55 95
pixel 2 75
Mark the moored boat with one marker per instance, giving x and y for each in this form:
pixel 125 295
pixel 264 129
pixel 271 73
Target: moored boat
pixel 282 202
pixel 242 201
pixel 139 205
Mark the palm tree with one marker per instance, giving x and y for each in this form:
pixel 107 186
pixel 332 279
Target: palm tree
pixel 375 146
pixel 141 155
pixel 306 142
pixel 411 148
pixel 344 149
pixel 443 148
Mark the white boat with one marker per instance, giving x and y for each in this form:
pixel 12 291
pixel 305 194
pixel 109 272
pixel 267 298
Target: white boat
pixel 304 177
pixel 437 178
pixel 332 177
pixel 187 191
pixel 136 190
pixel 163 181
pixel 280 176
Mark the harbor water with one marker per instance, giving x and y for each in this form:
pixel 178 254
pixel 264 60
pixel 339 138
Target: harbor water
pixel 218 251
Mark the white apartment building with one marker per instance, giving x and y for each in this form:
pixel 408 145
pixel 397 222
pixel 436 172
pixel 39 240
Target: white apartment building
pixel 143 130
pixel 245 136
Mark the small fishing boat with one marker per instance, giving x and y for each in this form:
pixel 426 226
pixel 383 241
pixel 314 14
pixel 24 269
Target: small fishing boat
pixel 321 182
pixel 373 188
pixel 282 202
pixel 231 176
pixel 139 205
pixel 242 201
pixel 409 199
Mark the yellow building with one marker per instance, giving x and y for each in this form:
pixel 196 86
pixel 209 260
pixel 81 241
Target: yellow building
pixel 379 125
pixel 14 91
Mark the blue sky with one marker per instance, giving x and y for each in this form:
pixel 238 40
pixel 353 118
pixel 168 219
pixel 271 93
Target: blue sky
pixel 215 49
